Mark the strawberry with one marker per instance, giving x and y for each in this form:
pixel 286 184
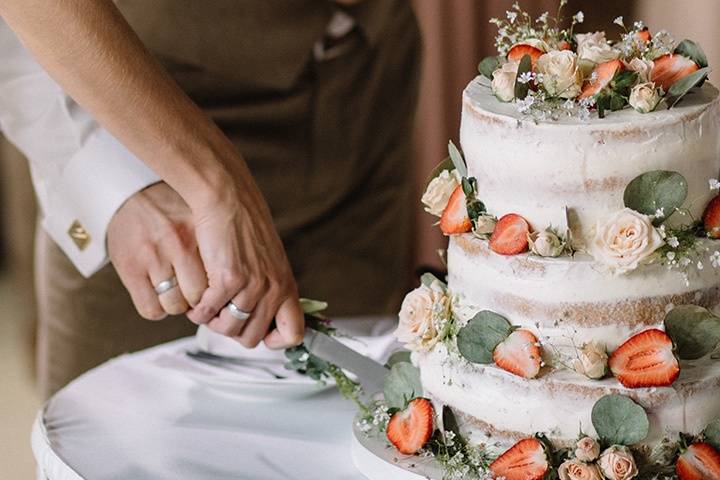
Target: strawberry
pixel 644 35
pixel 410 429
pixel 645 360
pixel 517 52
pixel 670 68
pixel 711 218
pixel 603 75
pixel 455 218
pixel 699 462
pixel 564 45
pixel 510 234
pixel 520 354
pixel 526 460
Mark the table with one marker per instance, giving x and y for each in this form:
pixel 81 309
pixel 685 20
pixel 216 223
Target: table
pixel 159 414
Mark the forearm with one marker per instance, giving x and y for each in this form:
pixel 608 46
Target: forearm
pixel 91 51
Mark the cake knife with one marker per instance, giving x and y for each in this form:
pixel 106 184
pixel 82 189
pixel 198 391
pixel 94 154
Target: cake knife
pixel 370 374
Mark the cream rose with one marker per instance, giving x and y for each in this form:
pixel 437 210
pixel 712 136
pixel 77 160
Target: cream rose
pixel 594 48
pixel 592 361
pixel 623 239
pixel 503 82
pixel 576 470
pixel 642 67
pixel 644 97
pixel 559 72
pixel 617 463
pixel 422 314
pixel 438 191
pixel 485 225
pixel 545 243
pixel 587 449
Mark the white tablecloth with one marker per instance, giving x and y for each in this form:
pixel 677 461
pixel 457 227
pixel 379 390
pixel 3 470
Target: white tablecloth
pixel 159 414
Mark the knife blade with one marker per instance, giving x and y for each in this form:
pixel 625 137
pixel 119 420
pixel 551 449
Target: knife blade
pixel 370 374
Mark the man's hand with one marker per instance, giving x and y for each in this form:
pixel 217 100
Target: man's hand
pixel 152 239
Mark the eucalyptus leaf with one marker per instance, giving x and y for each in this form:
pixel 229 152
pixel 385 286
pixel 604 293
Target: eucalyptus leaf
pixel 680 88
pixel 450 424
pixel 488 65
pixel 477 340
pixel 457 159
pixel 402 385
pixel 694 330
pixel 475 208
pixel 693 51
pixel 446 164
pixel 521 89
pixel 398 357
pixel 712 433
pixel 618 420
pixel 428 279
pixel 312 307
pixel 623 81
pixel 658 189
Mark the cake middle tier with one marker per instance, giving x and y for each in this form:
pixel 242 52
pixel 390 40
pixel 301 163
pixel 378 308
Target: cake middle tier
pixel 569 301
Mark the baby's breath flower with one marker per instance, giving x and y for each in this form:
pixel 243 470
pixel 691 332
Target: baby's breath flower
pixel 619 21
pixel 660 213
pixel 639 25
pixel 714 184
pixel 579 17
pixel 526 77
pixel 511 16
pixel 715 259
pixel 673 242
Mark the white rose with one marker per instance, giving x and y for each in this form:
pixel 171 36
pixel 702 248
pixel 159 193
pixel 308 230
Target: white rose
pixel 644 97
pixel 594 48
pixel 559 72
pixel 623 239
pixel 642 67
pixel 485 225
pixel 592 361
pixel 503 82
pixel 545 244
pixel 577 470
pixel 617 463
pixel 587 449
pixel 439 190
pixel 422 314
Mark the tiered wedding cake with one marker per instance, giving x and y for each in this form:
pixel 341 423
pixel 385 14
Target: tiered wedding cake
pixel 575 333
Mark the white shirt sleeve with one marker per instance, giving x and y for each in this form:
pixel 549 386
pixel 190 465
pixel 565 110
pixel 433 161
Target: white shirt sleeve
pixel 82 174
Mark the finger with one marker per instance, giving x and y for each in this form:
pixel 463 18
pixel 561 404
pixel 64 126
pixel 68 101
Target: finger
pixel 247 298
pixel 290 322
pixel 259 323
pixel 226 324
pixel 191 276
pixel 212 301
pixel 172 300
pixel 143 296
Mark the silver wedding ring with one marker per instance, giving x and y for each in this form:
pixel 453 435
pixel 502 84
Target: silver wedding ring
pixel 166 285
pixel 237 313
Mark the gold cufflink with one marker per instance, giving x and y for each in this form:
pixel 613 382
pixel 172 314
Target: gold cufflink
pixel 79 235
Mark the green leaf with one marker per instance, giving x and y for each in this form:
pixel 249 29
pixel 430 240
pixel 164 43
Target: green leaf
pixel 694 330
pixel 446 164
pixel 457 159
pixel 623 81
pixel 312 307
pixel 521 89
pixel 402 385
pixel 428 279
pixel 680 88
pixel 654 190
pixel 693 51
pixel 617 102
pixel 474 207
pixel 450 424
pixel 712 433
pixel 477 340
pixel 398 357
pixel 619 421
pixel 602 103
pixel 488 65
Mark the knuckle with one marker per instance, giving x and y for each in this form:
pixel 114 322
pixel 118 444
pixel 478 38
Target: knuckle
pixel 232 280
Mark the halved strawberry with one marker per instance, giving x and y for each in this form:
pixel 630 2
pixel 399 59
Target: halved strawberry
pixel 645 360
pixel 510 235
pixel 670 68
pixel 699 462
pixel 526 460
pixel 454 218
pixel 601 76
pixel 410 429
pixel 517 52
pixel 564 45
pixel 644 35
pixel 520 354
pixel 711 218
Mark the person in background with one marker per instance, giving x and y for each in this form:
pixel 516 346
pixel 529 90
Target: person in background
pixel 224 156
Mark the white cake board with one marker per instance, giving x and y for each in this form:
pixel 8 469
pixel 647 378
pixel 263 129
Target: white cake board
pixel 377 460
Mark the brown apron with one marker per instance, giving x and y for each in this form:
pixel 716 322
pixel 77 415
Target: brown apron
pixel 328 141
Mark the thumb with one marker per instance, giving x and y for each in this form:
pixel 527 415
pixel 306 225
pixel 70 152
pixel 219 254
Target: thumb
pixel 290 325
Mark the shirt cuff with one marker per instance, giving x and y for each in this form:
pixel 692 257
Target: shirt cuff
pixel 96 182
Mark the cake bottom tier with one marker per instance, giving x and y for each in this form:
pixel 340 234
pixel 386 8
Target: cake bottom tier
pixel 496 406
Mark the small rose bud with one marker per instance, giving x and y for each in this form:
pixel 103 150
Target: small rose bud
pixel 644 97
pixel 545 243
pixel 503 82
pixel 587 449
pixel 592 361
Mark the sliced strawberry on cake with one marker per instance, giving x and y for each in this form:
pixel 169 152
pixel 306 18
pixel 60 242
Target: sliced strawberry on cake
pixel 711 218
pixel 601 77
pixel 510 235
pixel 699 462
pixel 410 429
pixel 644 35
pixel 454 219
pixel 519 353
pixel 526 460
pixel 670 68
pixel 645 360
pixel 517 52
